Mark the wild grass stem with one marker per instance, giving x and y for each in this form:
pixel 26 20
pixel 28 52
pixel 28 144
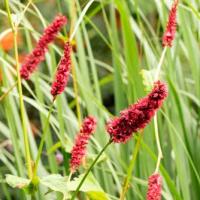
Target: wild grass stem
pixel 75 85
pixel 19 85
pixel 160 154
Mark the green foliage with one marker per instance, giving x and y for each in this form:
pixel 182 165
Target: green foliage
pixel 17 182
pixel 118 46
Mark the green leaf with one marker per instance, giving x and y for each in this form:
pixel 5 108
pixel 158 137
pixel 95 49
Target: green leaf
pixel 93 195
pixel 17 182
pixel 56 182
pixel 91 187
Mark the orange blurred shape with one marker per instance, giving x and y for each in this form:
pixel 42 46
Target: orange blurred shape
pixel 22 58
pixel 7 41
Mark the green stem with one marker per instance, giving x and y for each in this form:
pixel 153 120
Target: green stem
pixel 19 85
pixel 42 141
pixel 160 155
pixel 160 63
pixel 89 169
pixel 130 168
pixel 80 19
pixel 8 91
pixel 75 85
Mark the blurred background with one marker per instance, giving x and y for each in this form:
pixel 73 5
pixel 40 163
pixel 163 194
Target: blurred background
pixel 115 54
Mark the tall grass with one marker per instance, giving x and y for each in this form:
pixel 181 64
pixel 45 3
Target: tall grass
pixel 118 46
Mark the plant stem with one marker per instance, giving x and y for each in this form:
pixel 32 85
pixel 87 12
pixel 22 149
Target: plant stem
pixel 160 63
pixel 75 85
pixel 131 167
pixel 80 19
pixel 19 85
pixel 42 141
pixel 26 142
pixel 8 91
pixel 89 169
pixel 160 155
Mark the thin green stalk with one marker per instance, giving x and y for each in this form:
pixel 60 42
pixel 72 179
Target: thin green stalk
pixel 89 169
pixel 19 85
pixel 42 141
pixel 160 63
pixel 8 91
pixel 160 155
pixel 130 168
pixel 80 19
pixel 75 85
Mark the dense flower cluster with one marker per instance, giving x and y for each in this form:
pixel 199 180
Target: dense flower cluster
pixel 170 31
pixel 138 115
pixel 154 187
pixel 62 73
pixel 79 149
pixel 37 55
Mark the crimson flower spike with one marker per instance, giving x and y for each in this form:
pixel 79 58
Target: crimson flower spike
pixel 138 115
pixel 63 71
pixel 37 55
pixel 170 31
pixel 154 187
pixel 79 149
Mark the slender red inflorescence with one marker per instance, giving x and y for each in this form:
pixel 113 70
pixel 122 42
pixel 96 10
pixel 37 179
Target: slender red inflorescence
pixel 170 31
pixel 38 53
pixel 79 149
pixel 62 73
pixel 154 187
pixel 138 115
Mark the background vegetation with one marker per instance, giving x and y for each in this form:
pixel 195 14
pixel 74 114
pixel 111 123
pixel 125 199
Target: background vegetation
pixel 116 50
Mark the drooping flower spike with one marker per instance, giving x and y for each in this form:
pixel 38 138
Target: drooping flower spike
pixel 154 187
pixel 170 31
pixel 37 55
pixel 138 115
pixel 79 149
pixel 63 71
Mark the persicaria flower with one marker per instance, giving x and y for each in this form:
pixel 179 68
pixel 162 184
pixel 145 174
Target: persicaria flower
pixel 62 73
pixel 154 187
pixel 79 149
pixel 38 53
pixel 170 31
pixel 138 115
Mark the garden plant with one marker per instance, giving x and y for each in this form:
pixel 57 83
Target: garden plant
pixel 100 99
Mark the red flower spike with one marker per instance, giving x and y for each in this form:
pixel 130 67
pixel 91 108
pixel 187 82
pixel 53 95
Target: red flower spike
pixel 38 53
pixel 62 73
pixel 138 115
pixel 154 187
pixel 79 149
pixel 170 31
